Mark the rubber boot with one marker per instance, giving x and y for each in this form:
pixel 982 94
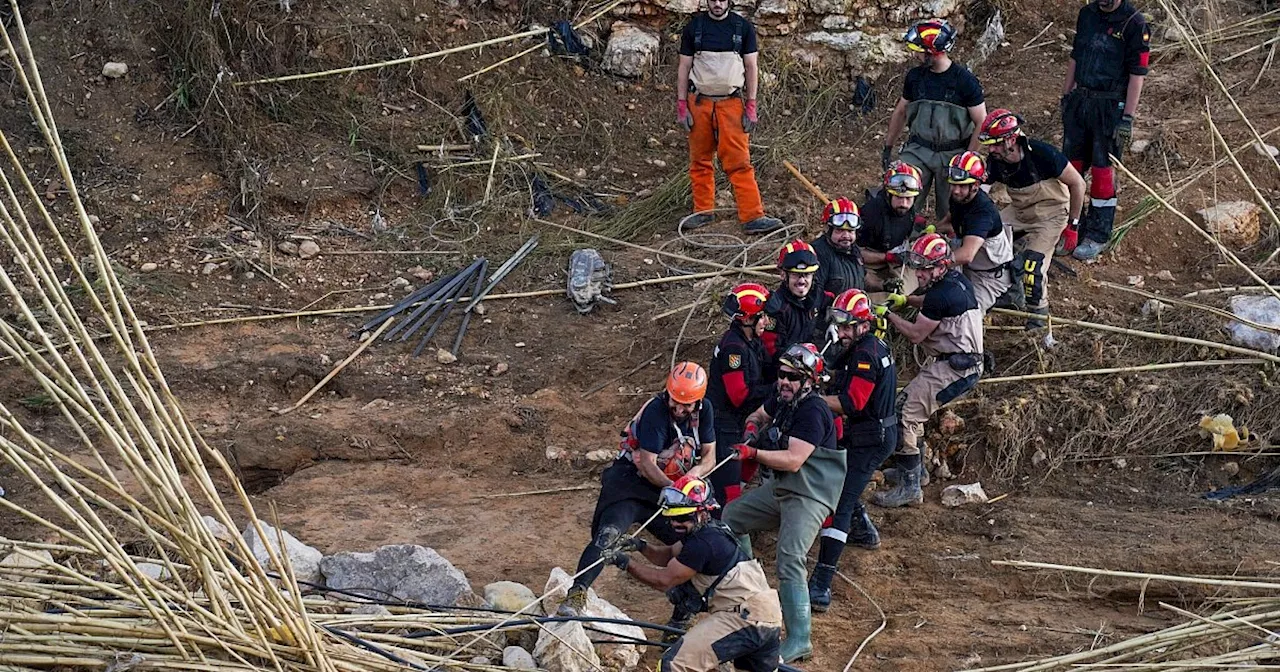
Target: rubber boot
pixel 1034 323
pixel 574 602
pixel 907 492
pixel 862 532
pixel 679 619
pixel 744 542
pixel 796 616
pixel 820 587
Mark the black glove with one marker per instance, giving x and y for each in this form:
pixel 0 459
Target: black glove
pixel 893 286
pixel 886 157
pixel 1124 131
pixel 629 544
pixel 619 560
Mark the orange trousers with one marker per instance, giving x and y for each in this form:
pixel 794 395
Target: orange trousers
pixel 717 130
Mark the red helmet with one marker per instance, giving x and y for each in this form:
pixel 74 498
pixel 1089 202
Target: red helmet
pixel 999 125
pixel 687 383
pixel 798 256
pixel 851 307
pixel 928 251
pixel 745 302
pixel 842 214
pixel 903 179
pixel 934 36
pixel 693 495
pixel 966 168
pixel 803 357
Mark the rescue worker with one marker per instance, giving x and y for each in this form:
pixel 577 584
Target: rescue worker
pixel 716 103
pixel 985 245
pixel 1109 58
pixel 671 436
pixel 887 219
pixel 737 386
pixel 949 330
pixel 840 264
pixel 793 308
pixel 941 106
pixel 712 574
pixel 862 392
pixel 1047 194
pixel 798 444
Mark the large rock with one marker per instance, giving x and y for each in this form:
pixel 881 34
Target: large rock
pixel 305 559
pixel 773 8
pixel 218 530
pixel 517 658
pixel 960 495
pixel 1260 309
pixel 404 571
pixel 630 50
pixel 25 563
pixel 619 655
pixel 565 647
pixel 1234 222
pixel 829 6
pixel 678 6
pixel 839 41
pixel 511 596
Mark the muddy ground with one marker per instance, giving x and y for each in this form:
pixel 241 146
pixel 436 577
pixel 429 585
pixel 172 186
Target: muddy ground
pixel 401 449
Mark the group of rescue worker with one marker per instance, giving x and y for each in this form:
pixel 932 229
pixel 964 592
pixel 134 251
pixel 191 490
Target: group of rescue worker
pixel 778 433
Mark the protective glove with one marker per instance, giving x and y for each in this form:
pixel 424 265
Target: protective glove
pixel 629 544
pixel 880 310
pixel 619 559
pixel 743 452
pixel 1124 131
pixel 752 433
pixel 895 302
pixel 683 117
pixel 886 157
pixel 833 333
pixel 893 286
pixel 1067 243
pixel 928 230
pixel 749 116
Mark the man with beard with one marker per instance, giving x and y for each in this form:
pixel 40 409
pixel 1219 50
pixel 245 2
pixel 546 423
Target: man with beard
pixel 840 264
pixel 985 247
pixel 672 435
pixel 798 443
pixel 862 391
pixel 949 331
pixel 711 574
pixel 737 385
pixel 888 218
pixel 716 103
pixel 794 307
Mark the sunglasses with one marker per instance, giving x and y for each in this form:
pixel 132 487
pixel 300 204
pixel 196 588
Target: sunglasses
pixel 793 376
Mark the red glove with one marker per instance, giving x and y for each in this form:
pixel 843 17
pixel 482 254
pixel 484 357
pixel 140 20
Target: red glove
pixel 743 452
pixel 682 114
pixel 749 116
pixel 1067 244
pixel 752 433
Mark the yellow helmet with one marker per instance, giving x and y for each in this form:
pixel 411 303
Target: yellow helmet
pixel 692 495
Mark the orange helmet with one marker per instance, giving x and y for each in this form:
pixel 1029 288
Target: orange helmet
pixel 687 383
pixel 928 251
pixel 934 36
pixel 851 307
pixel 745 302
pixel 842 214
pixel 903 179
pixel 798 256
pixel 803 357
pixel 999 125
pixel 966 168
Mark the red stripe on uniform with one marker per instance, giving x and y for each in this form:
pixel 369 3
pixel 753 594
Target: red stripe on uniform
pixel 769 340
pixel 735 385
pixel 860 390
pixel 1144 58
pixel 1104 182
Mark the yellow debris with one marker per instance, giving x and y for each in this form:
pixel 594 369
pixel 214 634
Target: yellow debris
pixel 1222 430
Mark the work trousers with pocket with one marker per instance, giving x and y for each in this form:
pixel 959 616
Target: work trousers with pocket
pixel 937 385
pixel 717 131
pixel 725 637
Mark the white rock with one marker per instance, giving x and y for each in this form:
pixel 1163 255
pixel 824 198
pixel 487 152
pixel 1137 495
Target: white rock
pixel 1136 281
pixel 1260 309
pixel 1234 222
pixel 400 282
pixel 1038 458
pixel 17 560
pixel 630 50
pixel 422 273
pixel 445 357
pixel 959 495
pixel 838 41
pixel 114 70
pixel 768 8
pixel 829 6
pixel 156 571
pixel 511 596
pixel 499 369
pixel 1165 275
pixel 678 6
pixel 305 559
pixel 218 530
pixel 601 455
pixel 620 655
pixel 1139 146
pixel 1154 308
pixel 371 610
pixel 288 247
pixel 838 22
pixel 565 647
pixel 1266 150
pixel 308 249
pixel 1231 468
pixel 555 452
pixel 209 269
pixel 402 571
pixel 149 267
pixel 517 658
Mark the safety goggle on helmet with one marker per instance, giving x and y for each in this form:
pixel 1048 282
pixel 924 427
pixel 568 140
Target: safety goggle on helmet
pixel 929 251
pixel 842 214
pixel 903 180
pixel 966 168
pixel 851 307
pixel 693 496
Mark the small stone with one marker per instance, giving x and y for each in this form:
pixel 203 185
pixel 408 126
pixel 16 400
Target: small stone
pixel 149 267
pixel 480 660
pixel 960 495
pixel 209 269
pixel 520 344
pixel 1136 281
pixel 1266 150
pixel 659 163
pixel 1231 468
pixel 1038 458
pixel 580 173
pixel 114 70
pixel 288 247
pixel 517 658
pixel 1165 275
pixel 444 356
pixel 399 282
pixel 93 220
pixel 1139 146
pixel 422 274
pixel 1154 308
pixel 555 452
pixel 153 570
pixel 499 369
pixel 653 142
pixel 601 455
pixel 305 559
pixel 510 596
pixel 1120 463
pixel 135 198
pixel 1234 222
pixel 308 249
pixel 480 309
pixel 218 530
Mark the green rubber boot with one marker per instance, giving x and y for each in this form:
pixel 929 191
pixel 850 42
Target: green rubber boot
pixel 796 616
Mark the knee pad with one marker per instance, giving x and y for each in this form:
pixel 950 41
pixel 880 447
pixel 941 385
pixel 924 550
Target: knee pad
pixel 607 536
pixel 1103 186
pixel 1032 276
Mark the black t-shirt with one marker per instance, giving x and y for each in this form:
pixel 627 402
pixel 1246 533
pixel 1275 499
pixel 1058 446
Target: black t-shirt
pixel 882 230
pixel 951 296
pixel 1110 46
pixel 709 551
pixel 655 432
pixel 812 421
pixel 718 35
pixel 979 217
pixel 1040 161
pixel 955 85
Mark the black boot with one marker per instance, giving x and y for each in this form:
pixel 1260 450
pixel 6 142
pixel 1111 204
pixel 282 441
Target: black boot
pixel 907 492
pixel 862 532
pixel 679 619
pixel 820 586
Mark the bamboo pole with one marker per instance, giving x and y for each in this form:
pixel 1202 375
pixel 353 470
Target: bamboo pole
pixel 338 369
pixel 650 250
pixel 1122 369
pixel 1146 334
pixel 1145 576
pixel 809 186
pixel 1257 194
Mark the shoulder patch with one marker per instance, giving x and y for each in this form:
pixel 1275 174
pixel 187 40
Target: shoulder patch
pixel 864 366
pixel 735 361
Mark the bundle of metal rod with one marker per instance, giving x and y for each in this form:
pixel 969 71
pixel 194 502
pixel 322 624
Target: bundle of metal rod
pixel 428 307
pixel 506 267
pixel 449 303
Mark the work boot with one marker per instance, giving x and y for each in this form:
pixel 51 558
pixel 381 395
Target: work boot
pixel 1013 298
pixel 820 587
pixel 695 221
pixel 863 533
pixel 763 224
pixel 679 619
pixel 796 616
pixel 907 491
pixel 1034 323
pixel 1088 250
pixel 574 603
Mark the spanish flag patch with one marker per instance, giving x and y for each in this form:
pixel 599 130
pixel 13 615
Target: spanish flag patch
pixel 864 366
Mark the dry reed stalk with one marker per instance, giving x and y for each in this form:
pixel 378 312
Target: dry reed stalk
pixel 577 26
pixel 1225 314
pixel 338 369
pixel 1257 194
pixel 1123 369
pixel 808 185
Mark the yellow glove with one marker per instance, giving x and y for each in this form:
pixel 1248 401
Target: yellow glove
pixel 896 302
pixel 880 310
pixel 930 229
